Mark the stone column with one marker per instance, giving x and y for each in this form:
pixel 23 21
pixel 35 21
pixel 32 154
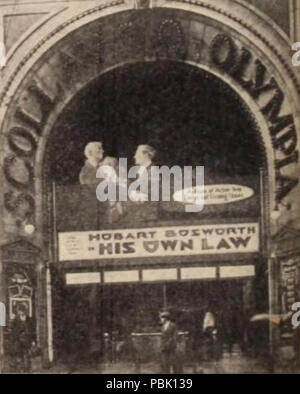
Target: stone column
pixel 2 299
pixel 295 20
pixel 248 296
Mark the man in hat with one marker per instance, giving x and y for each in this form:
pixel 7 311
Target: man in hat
pixel 169 359
pixel 94 154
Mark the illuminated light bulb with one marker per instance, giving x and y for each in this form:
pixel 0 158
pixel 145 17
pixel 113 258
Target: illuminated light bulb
pixel 29 229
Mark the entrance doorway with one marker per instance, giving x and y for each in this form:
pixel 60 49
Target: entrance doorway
pixel 97 322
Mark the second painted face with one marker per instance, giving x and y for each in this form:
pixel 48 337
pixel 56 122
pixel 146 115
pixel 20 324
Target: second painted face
pixel 141 157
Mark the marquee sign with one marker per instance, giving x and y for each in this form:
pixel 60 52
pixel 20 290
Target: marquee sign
pixel 214 194
pixel 77 208
pixel 159 242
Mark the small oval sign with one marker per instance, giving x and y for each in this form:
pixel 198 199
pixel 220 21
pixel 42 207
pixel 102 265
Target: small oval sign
pixel 213 194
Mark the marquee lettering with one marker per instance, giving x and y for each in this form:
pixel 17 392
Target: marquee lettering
pixel 46 104
pixel 22 141
pixel 22 205
pixel 17 168
pixel 226 55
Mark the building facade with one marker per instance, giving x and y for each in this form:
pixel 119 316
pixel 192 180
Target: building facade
pixel 71 71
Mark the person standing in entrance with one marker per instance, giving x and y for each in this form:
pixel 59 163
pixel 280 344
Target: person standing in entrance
pixel 210 333
pixel 169 360
pixel 23 338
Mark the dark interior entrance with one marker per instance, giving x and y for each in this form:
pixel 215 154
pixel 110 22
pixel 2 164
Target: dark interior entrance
pixel 154 103
pixel 94 320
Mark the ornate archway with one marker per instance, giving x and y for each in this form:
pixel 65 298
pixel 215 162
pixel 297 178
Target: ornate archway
pixel 76 47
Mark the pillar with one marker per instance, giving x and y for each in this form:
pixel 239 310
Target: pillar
pixel 2 299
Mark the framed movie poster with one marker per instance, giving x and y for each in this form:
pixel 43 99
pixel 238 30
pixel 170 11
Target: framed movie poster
pixel 16 302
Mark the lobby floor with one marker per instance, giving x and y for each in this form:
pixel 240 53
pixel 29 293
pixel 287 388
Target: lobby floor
pixel 235 363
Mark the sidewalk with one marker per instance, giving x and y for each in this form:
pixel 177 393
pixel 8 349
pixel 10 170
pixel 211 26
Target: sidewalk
pixel 236 363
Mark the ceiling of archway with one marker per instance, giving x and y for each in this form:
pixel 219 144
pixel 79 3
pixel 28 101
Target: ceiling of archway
pixel 154 103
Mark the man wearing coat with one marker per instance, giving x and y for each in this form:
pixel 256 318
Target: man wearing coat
pixel 169 359
pixel 144 157
pixel 23 338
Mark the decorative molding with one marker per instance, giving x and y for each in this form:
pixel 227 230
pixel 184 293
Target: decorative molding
pixel 19 246
pixel 59 28
pixel 294 7
pixel 252 29
pixel 286 242
pixel 169 38
pixel 49 14
pixel 24 21
pixel 287 232
pixel 114 3
pixel 20 252
pixel 142 4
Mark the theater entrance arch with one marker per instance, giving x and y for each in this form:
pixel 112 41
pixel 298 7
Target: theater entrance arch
pixel 233 44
